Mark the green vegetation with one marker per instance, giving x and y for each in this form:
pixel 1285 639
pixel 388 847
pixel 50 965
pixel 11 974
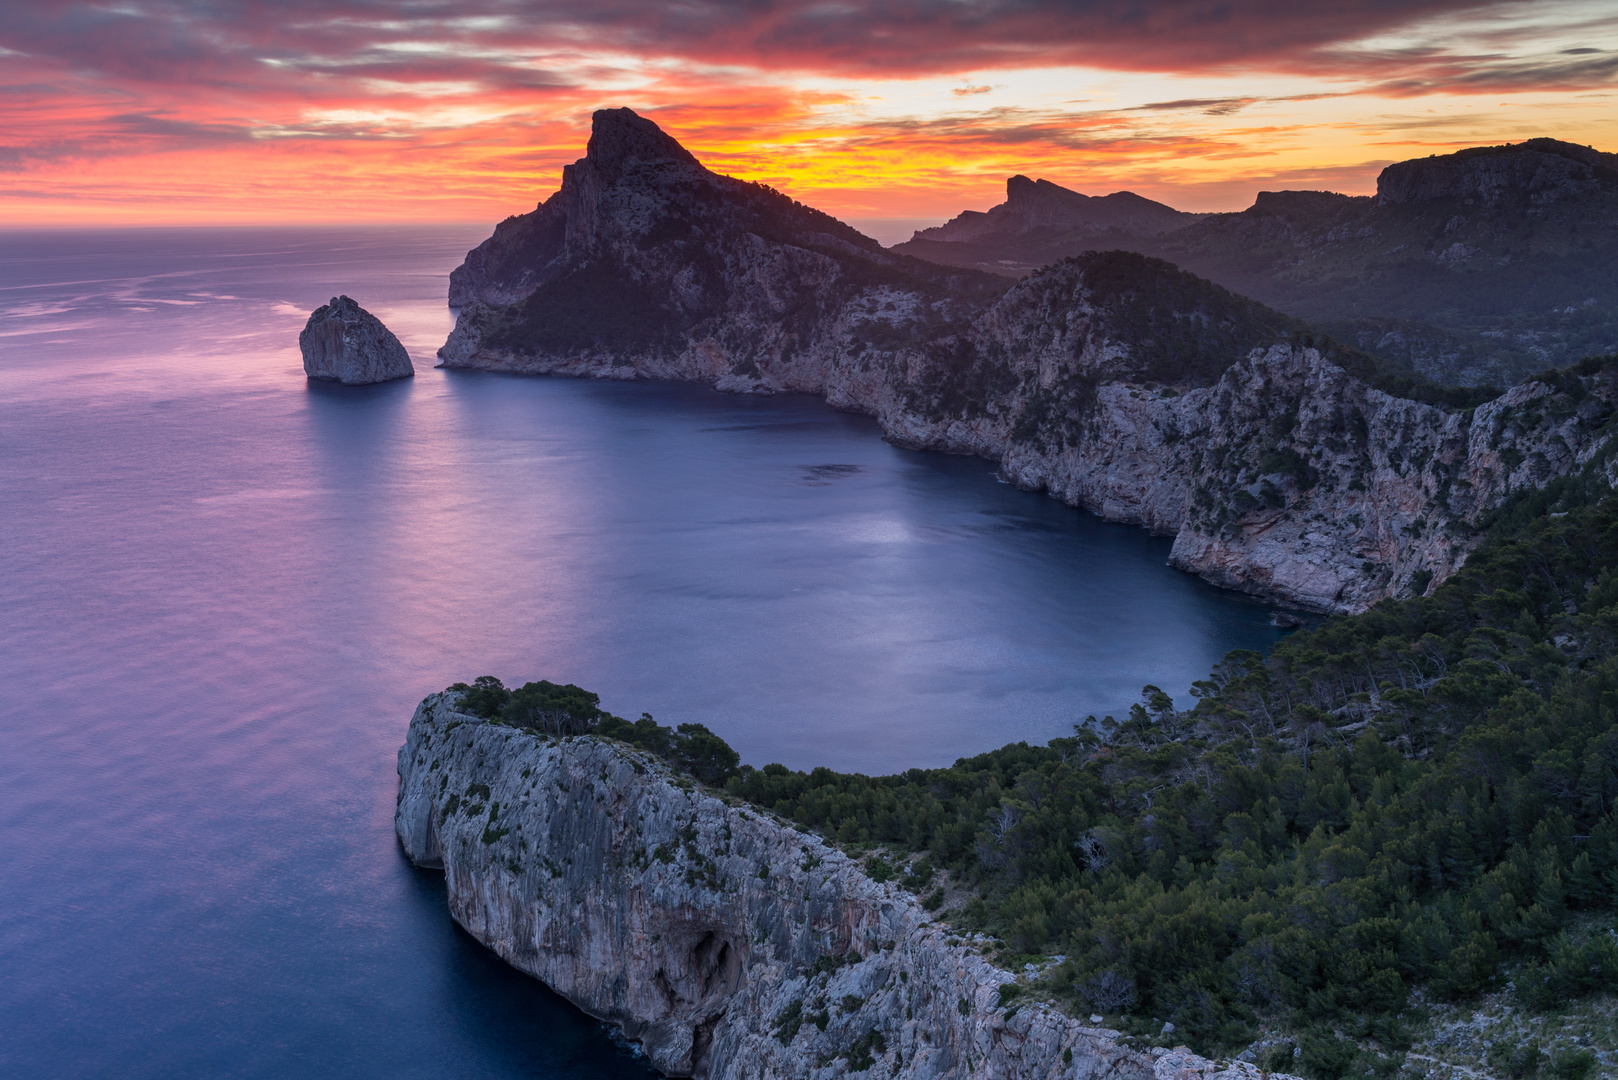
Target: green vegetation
pixel 1389 816
pixel 563 710
pixel 1421 796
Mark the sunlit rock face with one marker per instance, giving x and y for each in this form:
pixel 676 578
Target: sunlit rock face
pixel 727 944
pixel 345 343
pixel 1112 380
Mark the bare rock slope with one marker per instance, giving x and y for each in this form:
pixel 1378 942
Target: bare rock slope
pixel 347 344
pixel 1113 380
pixel 725 943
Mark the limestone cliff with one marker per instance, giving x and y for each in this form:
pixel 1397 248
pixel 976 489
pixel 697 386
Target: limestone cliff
pixel 647 265
pixel 345 343
pixel 1112 380
pixel 723 942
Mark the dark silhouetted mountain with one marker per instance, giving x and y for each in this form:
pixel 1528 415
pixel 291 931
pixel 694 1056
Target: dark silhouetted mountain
pixel 1473 267
pixel 1039 209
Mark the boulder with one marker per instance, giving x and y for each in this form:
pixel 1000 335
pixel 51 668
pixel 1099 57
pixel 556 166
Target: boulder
pixel 344 342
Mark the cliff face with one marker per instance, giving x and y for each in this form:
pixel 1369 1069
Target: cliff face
pixel 726 944
pixel 1288 477
pixel 1114 381
pixel 1536 172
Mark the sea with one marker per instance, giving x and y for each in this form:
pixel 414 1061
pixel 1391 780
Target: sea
pixel 224 588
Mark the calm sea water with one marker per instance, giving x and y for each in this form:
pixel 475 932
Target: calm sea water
pixel 223 589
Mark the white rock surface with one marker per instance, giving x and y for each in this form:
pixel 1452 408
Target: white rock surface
pixel 344 342
pixel 697 925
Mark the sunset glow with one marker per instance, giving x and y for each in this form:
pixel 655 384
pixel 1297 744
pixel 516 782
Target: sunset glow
pixel 169 111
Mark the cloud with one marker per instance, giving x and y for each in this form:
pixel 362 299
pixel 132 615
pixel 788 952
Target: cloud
pixel 372 106
pixel 251 43
pixel 1207 106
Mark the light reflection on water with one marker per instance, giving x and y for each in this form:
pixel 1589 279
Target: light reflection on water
pixel 225 588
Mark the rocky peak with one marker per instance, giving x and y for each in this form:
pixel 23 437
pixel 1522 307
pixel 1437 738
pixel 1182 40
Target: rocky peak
pixel 620 137
pixel 643 253
pixel 1535 172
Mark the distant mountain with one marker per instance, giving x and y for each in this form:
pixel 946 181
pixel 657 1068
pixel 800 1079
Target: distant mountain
pixel 1038 210
pixel 1113 380
pixel 1475 267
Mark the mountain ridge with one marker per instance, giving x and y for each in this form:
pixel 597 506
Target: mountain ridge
pixel 1305 473
pixel 1482 266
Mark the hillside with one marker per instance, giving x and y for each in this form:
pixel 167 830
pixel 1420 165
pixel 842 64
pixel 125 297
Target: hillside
pixel 1482 266
pixel 1381 826
pixel 646 263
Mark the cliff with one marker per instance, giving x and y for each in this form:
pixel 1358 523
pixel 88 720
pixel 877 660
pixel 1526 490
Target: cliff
pixel 726 944
pixel 645 264
pixel 1112 380
pixel 1284 475
pixel 345 343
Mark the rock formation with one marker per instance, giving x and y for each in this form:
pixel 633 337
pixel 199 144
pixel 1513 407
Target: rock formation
pixel 1113 381
pixel 645 264
pixel 727 944
pixel 1537 172
pixel 344 342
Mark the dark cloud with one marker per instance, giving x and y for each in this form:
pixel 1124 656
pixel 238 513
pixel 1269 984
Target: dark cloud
pixel 1499 75
pixel 1209 106
pixel 226 43
pixel 169 128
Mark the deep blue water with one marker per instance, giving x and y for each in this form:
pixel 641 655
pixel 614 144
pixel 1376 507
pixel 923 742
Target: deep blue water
pixel 223 589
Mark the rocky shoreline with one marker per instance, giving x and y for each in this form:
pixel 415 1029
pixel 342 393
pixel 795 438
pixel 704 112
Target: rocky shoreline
pixel 725 943
pixel 1112 381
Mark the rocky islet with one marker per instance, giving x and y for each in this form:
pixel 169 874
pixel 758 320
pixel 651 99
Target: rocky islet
pixel 342 342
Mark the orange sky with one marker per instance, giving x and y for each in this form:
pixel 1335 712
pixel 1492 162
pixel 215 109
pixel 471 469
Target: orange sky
pixel 186 111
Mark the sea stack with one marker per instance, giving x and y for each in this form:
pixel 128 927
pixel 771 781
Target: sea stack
pixel 344 342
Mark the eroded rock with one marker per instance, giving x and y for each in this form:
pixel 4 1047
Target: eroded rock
pixel 727 944
pixel 347 344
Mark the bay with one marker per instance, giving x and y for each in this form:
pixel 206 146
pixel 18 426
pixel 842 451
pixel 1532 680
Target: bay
pixel 224 588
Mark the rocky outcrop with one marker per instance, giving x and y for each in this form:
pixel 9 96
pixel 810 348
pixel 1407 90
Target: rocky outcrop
pixel 1535 172
pixel 728 945
pixel 1288 478
pixel 1111 380
pixel 344 342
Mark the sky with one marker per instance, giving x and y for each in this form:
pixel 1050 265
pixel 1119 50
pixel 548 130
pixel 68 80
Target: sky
pixel 225 111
